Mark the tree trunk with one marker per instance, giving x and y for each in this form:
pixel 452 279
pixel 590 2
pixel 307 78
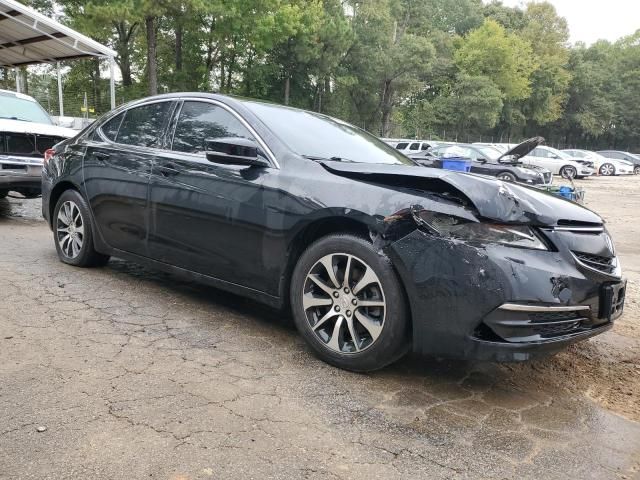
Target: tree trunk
pixel 123 47
pixel 179 31
pixel 152 60
pixel 97 103
pixel 287 88
pixel 387 107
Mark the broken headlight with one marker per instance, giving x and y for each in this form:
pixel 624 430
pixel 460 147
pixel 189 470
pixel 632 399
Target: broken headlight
pixel 520 236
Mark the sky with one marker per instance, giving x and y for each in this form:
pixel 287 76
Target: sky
pixel 591 20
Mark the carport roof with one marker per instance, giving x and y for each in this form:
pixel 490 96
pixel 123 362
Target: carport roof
pixel 28 37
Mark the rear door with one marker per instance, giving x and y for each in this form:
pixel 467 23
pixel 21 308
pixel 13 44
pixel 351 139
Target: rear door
pixel 209 217
pixel 117 169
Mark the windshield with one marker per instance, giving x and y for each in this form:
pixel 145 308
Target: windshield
pixel 560 154
pixel 319 137
pixel 489 152
pixel 15 108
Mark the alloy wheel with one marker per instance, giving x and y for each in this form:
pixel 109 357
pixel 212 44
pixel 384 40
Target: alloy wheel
pixel 568 172
pixel 344 303
pixel 70 229
pixel 607 169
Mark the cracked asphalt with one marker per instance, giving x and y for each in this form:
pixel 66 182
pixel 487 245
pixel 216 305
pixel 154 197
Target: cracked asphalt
pixel 136 374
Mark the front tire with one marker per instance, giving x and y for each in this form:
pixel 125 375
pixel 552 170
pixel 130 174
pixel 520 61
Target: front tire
pixel 607 169
pixel 73 232
pixel 349 305
pixel 507 177
pixel 3 194
pixel 636 170
pixel 568 172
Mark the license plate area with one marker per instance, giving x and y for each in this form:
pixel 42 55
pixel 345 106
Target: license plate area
pixel 612 300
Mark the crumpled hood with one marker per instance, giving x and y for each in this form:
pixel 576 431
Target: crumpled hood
pixel 17 126
pixel 493 199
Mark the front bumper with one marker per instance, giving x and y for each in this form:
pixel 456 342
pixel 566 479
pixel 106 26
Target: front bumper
pixel 499 303
pixel 20 172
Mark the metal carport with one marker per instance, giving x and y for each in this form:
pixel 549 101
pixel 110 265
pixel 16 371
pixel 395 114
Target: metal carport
pixel 28 37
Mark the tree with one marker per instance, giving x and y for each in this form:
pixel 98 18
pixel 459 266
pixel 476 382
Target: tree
pixel 503 57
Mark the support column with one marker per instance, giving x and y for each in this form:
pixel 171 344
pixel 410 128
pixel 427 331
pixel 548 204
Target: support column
pixel 60 101
pixel 18 80
pixel 112 83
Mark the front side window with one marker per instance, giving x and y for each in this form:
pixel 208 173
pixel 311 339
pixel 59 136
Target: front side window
pixel 200 121
pixel 142 126
pixel 539 152
pixel 414 146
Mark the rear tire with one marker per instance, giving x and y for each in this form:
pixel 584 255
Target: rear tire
pixel 356 320
pixel 636 170
pixel 3 194
pixel 73 232
pixel 568 172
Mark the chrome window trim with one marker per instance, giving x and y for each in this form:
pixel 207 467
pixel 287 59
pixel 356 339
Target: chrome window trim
pixel 516 307
pixel 270 156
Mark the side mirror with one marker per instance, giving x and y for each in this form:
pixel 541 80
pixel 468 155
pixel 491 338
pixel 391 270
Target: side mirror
pixel 234 151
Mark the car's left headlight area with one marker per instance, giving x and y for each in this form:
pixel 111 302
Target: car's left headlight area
pixel 448 226
pixel 500 291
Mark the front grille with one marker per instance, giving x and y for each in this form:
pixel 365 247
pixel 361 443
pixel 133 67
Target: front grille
pixel 26 144
pixel 555 329
pixel 597 262
pixel 541 317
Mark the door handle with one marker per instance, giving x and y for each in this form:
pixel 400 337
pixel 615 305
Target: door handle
pixel 168 170
pixel 101 156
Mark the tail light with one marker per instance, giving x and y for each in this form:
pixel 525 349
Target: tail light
pixel 48 153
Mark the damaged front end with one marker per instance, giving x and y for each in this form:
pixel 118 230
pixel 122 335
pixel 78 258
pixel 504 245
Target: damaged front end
pixel 495 271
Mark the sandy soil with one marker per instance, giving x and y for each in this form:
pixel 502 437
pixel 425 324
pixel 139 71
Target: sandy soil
pixel 606 368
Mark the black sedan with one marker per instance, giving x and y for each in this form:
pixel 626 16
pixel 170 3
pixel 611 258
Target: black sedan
pixel 487 160
pixel 371 253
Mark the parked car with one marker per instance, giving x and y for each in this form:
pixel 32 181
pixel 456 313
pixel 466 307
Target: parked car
pixel 559 163
pixel 626 156
pixel 487 160
pixel 414 146
pixel 26 132
pixel 604 166
pixel 371 253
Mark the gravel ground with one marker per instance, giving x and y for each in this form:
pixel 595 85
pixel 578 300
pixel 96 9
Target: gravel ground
pixel 122 372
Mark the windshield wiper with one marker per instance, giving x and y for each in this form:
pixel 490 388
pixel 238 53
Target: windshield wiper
pixel 16 118
pixel 325 159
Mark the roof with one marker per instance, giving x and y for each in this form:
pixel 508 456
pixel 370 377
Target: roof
pixel 28 37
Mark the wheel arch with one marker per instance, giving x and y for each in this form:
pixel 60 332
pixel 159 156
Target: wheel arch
pixel 56 193
pixel 357 225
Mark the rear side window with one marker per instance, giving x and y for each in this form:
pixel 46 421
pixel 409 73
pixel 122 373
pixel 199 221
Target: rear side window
pixel 200 121
pixel 142 126
pixel 110 129
pixel 401 146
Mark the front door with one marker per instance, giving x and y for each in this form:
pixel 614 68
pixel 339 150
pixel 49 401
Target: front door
pixel 208 217
pixel 117 169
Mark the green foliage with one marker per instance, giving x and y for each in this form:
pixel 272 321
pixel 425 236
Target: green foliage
pixel 448 68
